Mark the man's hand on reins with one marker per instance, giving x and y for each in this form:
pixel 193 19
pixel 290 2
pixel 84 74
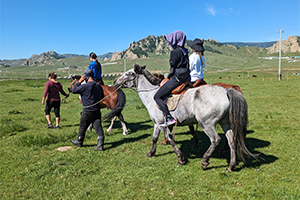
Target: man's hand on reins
pixel 82 79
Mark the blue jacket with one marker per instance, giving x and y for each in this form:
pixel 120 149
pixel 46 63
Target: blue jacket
pixel 91 93
pixel 97 73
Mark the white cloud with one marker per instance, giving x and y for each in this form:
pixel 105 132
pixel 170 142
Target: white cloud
pixel 211 10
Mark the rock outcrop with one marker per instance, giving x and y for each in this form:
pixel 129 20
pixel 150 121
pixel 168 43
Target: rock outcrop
pixel 291 44
pixel 43 58
pixel 143 47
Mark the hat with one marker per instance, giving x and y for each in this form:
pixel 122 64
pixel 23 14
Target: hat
pixel 197 45
pixel 88 73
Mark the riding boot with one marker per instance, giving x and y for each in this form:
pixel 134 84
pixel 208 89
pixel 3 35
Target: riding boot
pixel 100 145
pixel 78 142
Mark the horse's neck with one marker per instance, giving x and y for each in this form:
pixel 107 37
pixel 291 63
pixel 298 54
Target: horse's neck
pixel 145 90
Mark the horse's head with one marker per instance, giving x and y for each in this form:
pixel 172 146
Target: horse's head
pixel 74 80
pixel 128 79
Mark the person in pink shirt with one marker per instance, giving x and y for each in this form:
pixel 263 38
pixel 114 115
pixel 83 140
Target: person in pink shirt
pixel 52 90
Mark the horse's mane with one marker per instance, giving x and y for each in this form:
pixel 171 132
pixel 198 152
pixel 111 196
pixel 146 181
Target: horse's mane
pixel 154 80
pixel 77 77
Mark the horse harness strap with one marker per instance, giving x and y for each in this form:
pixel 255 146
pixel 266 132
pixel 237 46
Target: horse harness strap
pixel 106 97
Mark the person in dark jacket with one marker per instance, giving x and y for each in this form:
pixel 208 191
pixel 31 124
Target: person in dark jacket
pixel 179 73
pixel 91 94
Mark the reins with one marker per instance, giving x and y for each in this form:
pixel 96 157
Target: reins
pixel 106 97
pixel 102 98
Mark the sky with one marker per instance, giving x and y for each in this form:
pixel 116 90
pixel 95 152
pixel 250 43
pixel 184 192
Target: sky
pixel 30 27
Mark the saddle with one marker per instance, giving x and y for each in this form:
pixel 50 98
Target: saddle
pixel 176 94
pixel 184 86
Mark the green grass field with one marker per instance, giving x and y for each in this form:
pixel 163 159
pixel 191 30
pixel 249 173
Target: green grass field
pixel 32 168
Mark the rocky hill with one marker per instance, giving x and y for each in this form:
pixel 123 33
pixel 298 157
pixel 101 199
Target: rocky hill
pixel 45 58
pixel 291 44
pixel 159 46
pixel 140 49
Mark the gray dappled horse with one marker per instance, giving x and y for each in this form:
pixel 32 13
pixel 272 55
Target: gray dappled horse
pixel 206 105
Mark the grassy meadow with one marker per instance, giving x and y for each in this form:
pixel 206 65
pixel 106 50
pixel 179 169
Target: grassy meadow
pixel 32 168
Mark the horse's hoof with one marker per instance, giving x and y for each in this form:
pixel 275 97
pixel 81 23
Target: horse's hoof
pixel 125 134
pixel 204 165
pixel 229 169
pixel 181 163
pixel 149 155
pixel 108 130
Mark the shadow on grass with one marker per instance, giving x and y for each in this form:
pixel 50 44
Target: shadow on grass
pixel 125 140
pixel 133 127
pixel 191 152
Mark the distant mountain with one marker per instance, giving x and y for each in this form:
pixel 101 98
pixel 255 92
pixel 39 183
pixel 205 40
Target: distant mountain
pixel 251 44
pixel 45 58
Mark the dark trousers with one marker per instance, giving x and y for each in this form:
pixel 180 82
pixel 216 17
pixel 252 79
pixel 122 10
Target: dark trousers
pixel 86 119
pixel 163 93
pixel 50 105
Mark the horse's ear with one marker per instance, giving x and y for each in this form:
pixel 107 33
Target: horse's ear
pixel 143 67
pixel 137 68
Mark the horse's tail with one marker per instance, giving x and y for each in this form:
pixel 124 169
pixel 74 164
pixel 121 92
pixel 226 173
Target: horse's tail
pixel 238 116
pixel 119 107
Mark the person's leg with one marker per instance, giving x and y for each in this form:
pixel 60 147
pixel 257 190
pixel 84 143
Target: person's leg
pixel 85 121
pixel 48 108
pixel 48 119
pixel 56 106
pixel 99 130
pixel 160 97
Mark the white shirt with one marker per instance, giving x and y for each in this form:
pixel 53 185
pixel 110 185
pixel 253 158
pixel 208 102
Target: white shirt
pixel 196 69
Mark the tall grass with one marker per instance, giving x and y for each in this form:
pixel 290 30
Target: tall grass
pixel 32 168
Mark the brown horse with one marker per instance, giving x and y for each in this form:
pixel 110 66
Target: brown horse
pixel 114 99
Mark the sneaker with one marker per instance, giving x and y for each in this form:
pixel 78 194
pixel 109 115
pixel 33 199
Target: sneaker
pixel 56 127
pixel 49 126
pixel 169 121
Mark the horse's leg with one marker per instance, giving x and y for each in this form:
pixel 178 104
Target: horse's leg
pixel 215 139
pixel 232 164
pixel 90 128
pixel 123 124
pixel 111 124
pixel 154 140
pixel 230 144
pixel 170 138
pixel 165 142
pixel 191 127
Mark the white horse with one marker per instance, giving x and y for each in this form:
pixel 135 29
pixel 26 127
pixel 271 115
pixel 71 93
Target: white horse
pixel 206 105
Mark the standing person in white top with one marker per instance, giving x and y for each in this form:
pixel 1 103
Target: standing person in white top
pixel 196 59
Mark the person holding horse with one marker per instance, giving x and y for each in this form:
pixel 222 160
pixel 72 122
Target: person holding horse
pixel 95 66
pixel 179 73
pixel 52 90
pixel 91 94
pixel 197 61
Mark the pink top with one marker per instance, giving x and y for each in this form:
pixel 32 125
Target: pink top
pixel 52 90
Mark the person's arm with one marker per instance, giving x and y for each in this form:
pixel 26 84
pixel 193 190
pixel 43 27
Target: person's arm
pixel 62 91
pixel 173 63
pixel 192 62
pixel 45 92
pixel 78 88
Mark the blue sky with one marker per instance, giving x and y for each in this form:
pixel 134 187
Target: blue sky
pixel 80 27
